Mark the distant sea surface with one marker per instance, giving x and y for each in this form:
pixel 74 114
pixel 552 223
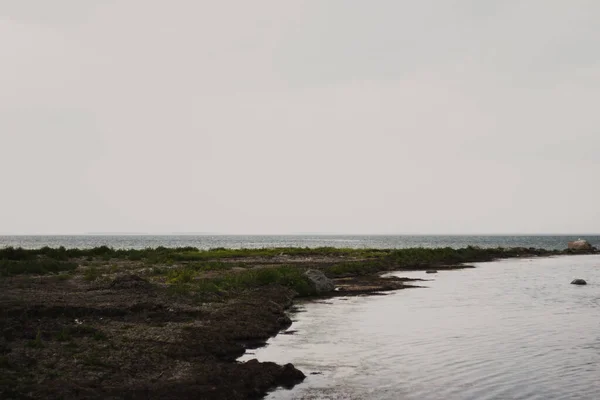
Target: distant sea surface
pixel 255 241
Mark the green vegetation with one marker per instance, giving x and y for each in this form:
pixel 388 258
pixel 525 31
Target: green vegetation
pixel 183 280
pixel 64 277
pixel 46 260
pixel 91 274
pixel 177 254
pixel 37 267
pixel 185 265
pixel 418 258
pixel 180 276
pixel 286 276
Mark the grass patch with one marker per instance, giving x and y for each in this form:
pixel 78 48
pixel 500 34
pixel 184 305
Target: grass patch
pixel 91 274
pixel 422 258
pixel 291 277
pixel 159 271
pixel 176 254
pixel 180 276
pixel 34 267
pixel 416 257
pixel 14 261
pixel 179 289
pixel 64 277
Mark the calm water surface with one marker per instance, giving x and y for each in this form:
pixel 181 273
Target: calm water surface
pixel 254 241
pixel 512 329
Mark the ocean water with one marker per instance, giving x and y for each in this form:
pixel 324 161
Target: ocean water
pixel 256 241
pixel 510 329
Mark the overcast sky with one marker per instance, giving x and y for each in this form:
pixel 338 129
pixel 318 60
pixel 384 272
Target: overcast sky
pixel 270 116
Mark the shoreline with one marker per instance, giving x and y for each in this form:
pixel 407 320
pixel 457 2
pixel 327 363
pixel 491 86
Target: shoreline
pixel 171 323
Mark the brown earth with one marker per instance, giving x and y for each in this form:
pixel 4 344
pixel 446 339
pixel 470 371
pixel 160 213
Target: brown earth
pixel 123 336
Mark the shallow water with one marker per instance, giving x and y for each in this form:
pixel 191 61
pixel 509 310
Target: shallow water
pixel 551 242
pixel 512 329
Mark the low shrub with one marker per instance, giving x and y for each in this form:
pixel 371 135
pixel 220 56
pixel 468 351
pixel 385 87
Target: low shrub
pixel 37 267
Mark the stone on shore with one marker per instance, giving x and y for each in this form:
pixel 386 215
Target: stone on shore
pixel 578 282
pixel 580 245
pixel 320 282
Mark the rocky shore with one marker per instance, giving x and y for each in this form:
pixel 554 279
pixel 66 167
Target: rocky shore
pixel 170 323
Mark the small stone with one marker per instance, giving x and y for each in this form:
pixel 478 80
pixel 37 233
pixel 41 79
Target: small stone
pixel 578 282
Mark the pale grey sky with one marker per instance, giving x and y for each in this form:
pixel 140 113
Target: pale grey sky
pixel 272 116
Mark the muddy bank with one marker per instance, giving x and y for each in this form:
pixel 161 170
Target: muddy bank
pixel 171 327
pixel 133 339
pixel 130 337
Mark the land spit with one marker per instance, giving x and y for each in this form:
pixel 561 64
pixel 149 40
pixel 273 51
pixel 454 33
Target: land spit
pixel 170 323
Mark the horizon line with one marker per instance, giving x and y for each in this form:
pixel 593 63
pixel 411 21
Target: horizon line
pixel 296 234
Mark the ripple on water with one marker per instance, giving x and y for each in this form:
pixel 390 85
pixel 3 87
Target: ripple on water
pixel 513 329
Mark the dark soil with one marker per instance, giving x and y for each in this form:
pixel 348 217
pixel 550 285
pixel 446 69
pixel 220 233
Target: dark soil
pixel 133 339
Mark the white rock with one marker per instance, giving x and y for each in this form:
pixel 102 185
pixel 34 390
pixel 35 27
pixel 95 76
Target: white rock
pixel 580 245
pixel 322 284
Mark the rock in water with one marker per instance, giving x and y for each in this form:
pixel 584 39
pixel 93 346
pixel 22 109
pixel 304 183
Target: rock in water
pixel 431 271
pixel 290 376
pixel 580 245
pixel 578 282
pixel 321 283
pixel 259 377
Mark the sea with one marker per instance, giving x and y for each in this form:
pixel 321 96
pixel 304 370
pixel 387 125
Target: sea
pixel 551 242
